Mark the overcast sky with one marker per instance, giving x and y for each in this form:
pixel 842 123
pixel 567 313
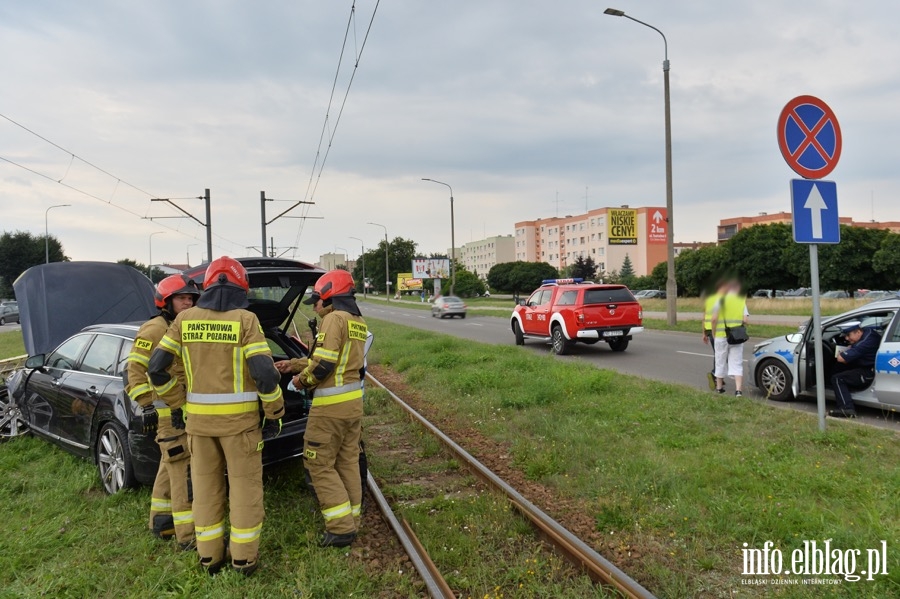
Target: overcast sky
pixel 527 109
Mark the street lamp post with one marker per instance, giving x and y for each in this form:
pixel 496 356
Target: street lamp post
pixel 150 254
pixel 452 238
pixel 671 288
pixel 346 252
pixel 47 234
pixel 387 276
pixel 190 245
pixel 362 257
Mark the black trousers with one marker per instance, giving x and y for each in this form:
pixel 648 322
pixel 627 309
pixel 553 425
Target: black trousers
pixel 849 380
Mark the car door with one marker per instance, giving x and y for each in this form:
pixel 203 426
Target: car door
pixel 536 316
pixel 887 365
pixel 83 388
pixel 42 399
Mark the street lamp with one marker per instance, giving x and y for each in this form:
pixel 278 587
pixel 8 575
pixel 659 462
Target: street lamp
pixel 150 254
pixel 671 288
pixel 362 257
pixel 190 245
pixel 452 238
pixel 47 235
pixel 387 276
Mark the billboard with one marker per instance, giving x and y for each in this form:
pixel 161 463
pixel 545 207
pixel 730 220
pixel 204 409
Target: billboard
pixel 431 268
pixel 406 282
pixel 622 226
pixel 658 225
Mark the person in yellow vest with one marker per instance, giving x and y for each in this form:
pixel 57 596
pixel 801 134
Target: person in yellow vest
pixel 709 301
pixel 335 371
pixel 729 311
pixel 229 376
pixel 170 504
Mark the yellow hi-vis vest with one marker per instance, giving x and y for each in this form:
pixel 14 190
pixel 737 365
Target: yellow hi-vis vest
pixel 731 312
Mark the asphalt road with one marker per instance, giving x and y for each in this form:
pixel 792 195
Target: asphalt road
pixel 668 356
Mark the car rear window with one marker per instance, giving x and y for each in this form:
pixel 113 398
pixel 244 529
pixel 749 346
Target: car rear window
pixel 614 295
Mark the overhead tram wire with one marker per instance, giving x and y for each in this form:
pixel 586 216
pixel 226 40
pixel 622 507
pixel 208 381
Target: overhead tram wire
pixel 311 187
pixel 118 180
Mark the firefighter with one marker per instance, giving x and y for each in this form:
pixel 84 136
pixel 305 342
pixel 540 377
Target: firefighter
pixel 229 375
pixel 170 503
pixel 334 369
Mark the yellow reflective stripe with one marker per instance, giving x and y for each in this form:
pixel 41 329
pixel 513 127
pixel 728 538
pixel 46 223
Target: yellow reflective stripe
pixel 356 509
pixel 245 535
pixel 209 533
pixel 237 357
pixel 270 397
pixel 222 409
pixel 167 387
pixel 158 504
pixel 139 390
pixel 329 400
pixel 164 412
pixel 142 359
pixel 188 370
pixel 256 348
pixel 338 511
pixel 170 345
pixel 183 517
pixel 342 365
pixel 326 354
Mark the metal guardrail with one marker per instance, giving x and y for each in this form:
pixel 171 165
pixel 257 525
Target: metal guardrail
pixel 10 364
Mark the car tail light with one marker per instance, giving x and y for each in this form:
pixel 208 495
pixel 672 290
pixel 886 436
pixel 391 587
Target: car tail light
pixel 641 314
pixel 579 318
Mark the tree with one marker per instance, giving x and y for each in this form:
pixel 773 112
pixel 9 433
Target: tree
pixel 696 271
pixel 626 275
pixel 520 277
pixel 848 265
pixel 158 275
pixel 20 251
pixel 759 257
pixel 886 261
pixel 468 284
pixel 401 253
pixel 584 268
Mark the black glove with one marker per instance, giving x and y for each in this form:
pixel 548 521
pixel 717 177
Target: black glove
pixel 178 419
pixel 149 418
pixel 271 428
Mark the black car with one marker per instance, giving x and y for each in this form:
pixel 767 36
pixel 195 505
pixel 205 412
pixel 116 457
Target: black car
pixel 9 312
pixel 71 392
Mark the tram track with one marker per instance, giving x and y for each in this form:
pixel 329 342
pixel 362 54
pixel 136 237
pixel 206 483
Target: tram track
pixel 569 546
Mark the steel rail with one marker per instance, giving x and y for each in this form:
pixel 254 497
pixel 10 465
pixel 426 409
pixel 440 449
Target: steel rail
pixel 571 547
pixel 434 582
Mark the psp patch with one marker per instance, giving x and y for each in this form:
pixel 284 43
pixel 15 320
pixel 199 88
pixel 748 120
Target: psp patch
pixel 143 344
pixel 309 454
pixel 320 338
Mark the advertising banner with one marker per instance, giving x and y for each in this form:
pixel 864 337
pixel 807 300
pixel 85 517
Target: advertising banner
pixel 431 268
pixel 622 224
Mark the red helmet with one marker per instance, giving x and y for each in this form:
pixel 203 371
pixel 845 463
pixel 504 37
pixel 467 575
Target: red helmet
pixel 226 270
pixel 173 285
pixel 332 283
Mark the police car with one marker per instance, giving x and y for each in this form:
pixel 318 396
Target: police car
pixel 784 367
pixel 568 311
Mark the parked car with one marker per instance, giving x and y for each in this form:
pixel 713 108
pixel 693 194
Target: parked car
pixel 799 292
pixel 836 294
pixel 71 391
pixel 784 367
pixel 9 312
pixel 878 295
pixel 448 305
pixel 652 294
pixel 566 311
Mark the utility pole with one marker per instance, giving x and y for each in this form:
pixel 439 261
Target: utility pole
pixel 262 209
pixel 207 224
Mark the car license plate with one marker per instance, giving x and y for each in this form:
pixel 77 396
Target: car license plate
pixel 612 333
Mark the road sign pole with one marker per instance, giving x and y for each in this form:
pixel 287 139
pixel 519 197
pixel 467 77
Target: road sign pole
pixel 817 335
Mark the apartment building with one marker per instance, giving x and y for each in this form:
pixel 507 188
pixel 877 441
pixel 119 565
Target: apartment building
pixel 606 235
pixel 480 256
pixel 729 226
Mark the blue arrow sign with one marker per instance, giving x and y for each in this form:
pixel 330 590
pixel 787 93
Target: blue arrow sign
pixel 815 211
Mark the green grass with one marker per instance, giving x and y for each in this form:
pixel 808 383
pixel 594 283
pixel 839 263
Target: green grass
pixel 761 331
pixel 663 466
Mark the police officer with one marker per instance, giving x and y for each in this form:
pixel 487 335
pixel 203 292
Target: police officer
pixel 229 375
pixel 335 370
pixel 855 367
pixel 170 504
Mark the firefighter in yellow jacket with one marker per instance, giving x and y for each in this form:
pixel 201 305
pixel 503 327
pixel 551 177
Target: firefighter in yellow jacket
pixel 170 504
pixel 229 375
pixel 334 370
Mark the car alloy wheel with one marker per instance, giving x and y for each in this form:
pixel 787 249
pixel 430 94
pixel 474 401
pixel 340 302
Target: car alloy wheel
pixel 12 423
pixel 561 345
pixel 774 379
pixel 114 458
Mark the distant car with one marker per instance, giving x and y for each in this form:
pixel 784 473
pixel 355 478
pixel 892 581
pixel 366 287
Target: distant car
pixel 878 295
pixel 784 367
pixel 835 295
pixel 448 305
pixel 71 391
pixel 799 292
pixel 651 294
pixel 9 312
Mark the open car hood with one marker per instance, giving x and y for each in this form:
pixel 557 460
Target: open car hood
pixel 275 284
pixel 61 298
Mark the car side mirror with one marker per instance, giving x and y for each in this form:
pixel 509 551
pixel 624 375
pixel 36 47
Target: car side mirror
pixel 34 362
pixel 522 302
pixel 794 337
